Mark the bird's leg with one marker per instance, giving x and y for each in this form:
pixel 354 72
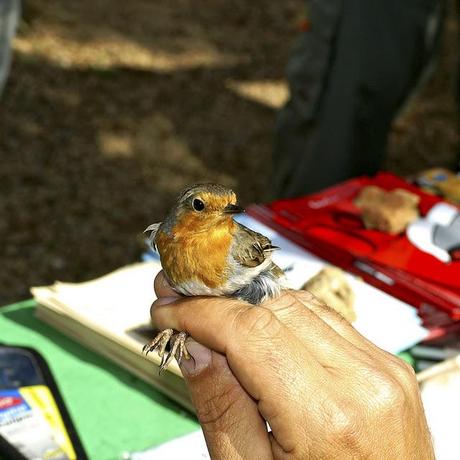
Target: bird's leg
pixel 178 348
pixel 159 342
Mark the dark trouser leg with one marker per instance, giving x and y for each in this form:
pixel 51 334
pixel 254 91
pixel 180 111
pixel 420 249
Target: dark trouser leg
pixel 376 51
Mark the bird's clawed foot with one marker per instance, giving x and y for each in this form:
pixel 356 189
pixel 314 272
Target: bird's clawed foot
pixel 176 349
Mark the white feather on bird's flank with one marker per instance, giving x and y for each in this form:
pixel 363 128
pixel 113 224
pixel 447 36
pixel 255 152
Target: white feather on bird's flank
pixel 263 287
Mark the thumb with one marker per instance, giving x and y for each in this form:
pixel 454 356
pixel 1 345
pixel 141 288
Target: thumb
pixel 232 425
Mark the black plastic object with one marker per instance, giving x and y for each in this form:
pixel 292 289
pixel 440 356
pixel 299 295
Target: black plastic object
pixel 23 368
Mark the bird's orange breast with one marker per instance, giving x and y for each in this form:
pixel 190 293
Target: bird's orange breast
pixel 191 254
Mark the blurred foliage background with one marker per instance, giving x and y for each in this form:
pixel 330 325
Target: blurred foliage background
pixel 113 106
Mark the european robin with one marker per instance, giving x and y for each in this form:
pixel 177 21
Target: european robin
pixel 203 251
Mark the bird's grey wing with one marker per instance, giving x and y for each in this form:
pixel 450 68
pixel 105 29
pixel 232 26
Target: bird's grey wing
pixel 153 229
pixel 251 248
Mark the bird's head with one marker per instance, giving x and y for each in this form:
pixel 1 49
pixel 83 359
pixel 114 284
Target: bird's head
pixel 201 206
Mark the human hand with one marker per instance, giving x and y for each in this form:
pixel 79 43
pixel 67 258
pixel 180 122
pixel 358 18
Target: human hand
pixel 325 390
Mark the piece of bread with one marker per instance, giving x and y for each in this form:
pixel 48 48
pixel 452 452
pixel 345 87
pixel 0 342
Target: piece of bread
pixel 389 212
pixel 331 286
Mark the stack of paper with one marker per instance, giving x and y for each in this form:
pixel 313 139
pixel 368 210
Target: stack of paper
pixel 110 315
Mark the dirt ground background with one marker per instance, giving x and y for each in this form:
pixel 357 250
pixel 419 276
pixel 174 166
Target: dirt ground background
pixel 114 106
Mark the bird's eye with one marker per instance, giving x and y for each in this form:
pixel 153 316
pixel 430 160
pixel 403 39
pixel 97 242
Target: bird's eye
pixel 197 204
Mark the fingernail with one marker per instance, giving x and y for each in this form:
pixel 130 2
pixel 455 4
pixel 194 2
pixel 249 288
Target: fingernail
pixel 164 301
pixel 200 358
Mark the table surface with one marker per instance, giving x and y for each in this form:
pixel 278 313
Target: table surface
pixel 113 411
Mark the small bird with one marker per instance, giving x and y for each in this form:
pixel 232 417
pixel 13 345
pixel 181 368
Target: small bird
pixel 203 251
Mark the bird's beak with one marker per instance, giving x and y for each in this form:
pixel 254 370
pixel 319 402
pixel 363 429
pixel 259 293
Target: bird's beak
pixel 233 209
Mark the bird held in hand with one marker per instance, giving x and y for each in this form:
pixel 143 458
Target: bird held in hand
pixel 203 251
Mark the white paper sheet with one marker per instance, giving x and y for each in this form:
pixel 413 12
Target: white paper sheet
pixel 191 447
